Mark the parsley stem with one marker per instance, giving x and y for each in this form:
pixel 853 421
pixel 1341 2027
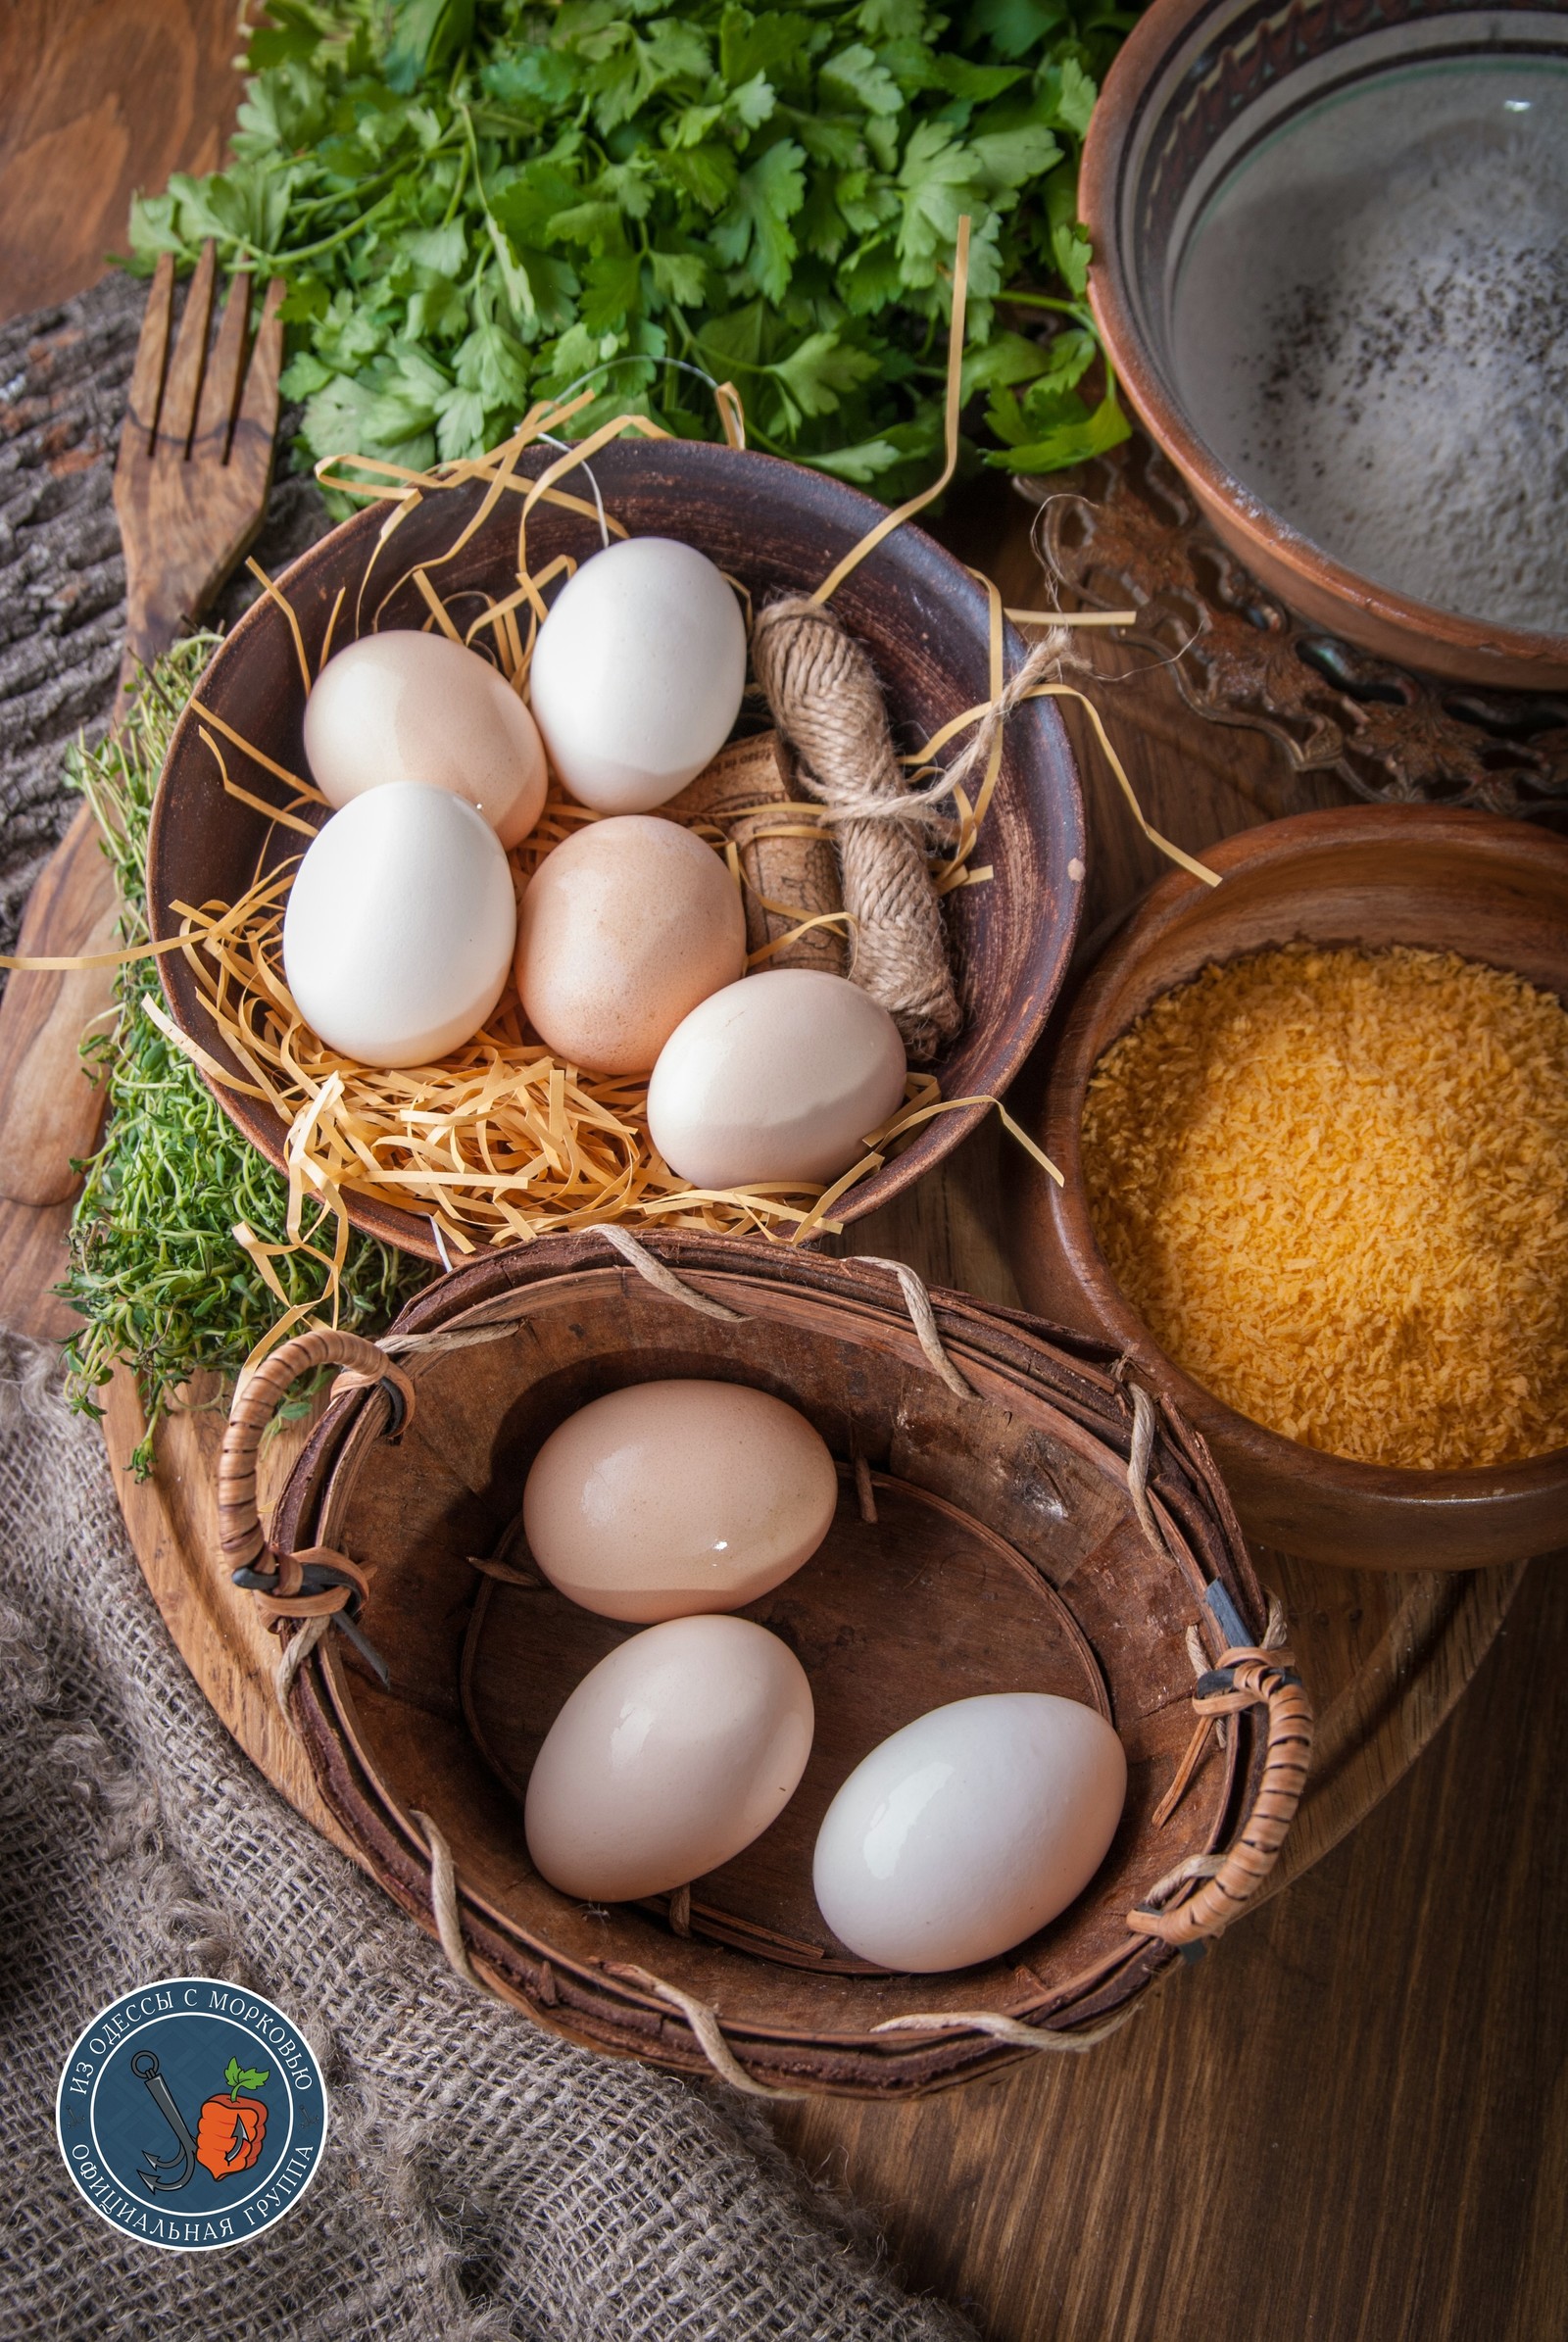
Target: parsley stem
pixel 1068 309
pixel 308 251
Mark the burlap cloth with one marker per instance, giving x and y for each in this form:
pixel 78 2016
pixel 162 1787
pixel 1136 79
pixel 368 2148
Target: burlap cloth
pixel 481 2179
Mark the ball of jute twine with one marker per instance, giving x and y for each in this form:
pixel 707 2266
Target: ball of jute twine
pixel 825 699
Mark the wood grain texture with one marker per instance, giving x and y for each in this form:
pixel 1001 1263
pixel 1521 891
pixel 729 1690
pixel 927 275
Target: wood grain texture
pixel 191 480
pixel 52 1109
pixel 195 458
pixel 100 99
pixel 171 1518
pixel 1348 2123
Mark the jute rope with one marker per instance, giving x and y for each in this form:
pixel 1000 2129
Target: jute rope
pixel 825 699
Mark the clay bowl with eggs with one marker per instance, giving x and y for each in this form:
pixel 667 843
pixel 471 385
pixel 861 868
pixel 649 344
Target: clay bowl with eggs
pixel 1331 262
pixel 1487 889
pixel 1005 1555
pixel 774 527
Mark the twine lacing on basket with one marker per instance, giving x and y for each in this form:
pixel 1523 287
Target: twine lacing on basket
pixel 924 1318
pixel 1241 1678
pixel 1140 1452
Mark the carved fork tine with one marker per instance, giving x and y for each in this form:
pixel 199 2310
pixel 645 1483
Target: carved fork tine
pixel 139 432
pixel 196 456
pixel 176 421
pixel 224 377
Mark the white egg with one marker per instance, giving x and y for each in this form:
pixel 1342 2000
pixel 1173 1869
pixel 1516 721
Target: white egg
pixel 778 1077
pixel 404 706
pixel 969 1830
pixel 669 1757
pixel 399 926
pixel 671 1498
pixel 638 673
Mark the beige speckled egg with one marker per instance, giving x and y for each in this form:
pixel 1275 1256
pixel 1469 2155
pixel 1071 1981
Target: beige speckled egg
pixel 669 1757
pixel 624 927
pixel 405 707
pixel 777 1078
pixel 671 1498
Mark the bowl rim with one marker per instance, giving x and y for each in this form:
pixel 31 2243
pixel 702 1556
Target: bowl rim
pixel 1058 1111
pixel 1015 1038
pixel 1122 100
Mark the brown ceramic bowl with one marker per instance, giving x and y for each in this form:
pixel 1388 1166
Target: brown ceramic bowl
pixel 1200 87
pixel 1473 883
pixel 774 527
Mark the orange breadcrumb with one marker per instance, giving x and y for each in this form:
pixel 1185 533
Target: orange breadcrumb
pixel 1334 1183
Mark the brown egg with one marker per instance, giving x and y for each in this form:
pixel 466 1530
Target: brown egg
pixel 406 707
pixel 667 1499
pixel 624 929
pixel 671 1756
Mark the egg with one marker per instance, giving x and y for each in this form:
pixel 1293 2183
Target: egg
pixel 969 1830
pixel 624 927
pixel 669 1757
pixel 638 673
pixel 399 926
pixel 776 1077
pixel 671 1498
pixel 403 706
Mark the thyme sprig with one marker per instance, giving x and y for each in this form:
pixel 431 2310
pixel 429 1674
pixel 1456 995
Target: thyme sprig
pixel 156 1271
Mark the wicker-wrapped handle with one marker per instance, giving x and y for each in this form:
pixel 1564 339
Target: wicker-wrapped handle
pixel 1245 1679
pixel 317 1583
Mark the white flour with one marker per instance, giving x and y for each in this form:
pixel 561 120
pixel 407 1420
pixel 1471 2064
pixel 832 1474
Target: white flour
pixel 1371 332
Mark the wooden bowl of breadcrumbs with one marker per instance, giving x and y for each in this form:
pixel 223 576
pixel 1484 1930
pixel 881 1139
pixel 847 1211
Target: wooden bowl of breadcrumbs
pixel 1313 1128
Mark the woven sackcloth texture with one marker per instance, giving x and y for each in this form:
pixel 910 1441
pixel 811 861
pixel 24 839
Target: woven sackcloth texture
pixel 481 2178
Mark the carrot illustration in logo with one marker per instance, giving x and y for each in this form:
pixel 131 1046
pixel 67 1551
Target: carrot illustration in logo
pixel 229 2133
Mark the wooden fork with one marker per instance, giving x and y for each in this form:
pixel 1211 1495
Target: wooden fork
pixel 191 480
pixel 195 455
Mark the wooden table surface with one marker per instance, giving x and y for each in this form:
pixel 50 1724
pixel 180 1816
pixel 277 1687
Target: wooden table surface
pixel 1350 2121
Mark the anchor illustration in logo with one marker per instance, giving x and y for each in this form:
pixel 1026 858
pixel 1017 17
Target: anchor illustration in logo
pixel 229 2128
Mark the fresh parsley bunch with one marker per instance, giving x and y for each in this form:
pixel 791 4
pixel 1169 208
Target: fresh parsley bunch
pixel 477 203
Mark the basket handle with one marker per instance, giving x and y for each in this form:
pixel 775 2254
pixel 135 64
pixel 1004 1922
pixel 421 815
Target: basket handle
pixel 1244 1679
pixel 317 1583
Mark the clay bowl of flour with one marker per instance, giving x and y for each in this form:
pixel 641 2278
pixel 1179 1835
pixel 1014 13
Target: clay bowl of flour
pixel 1331 267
